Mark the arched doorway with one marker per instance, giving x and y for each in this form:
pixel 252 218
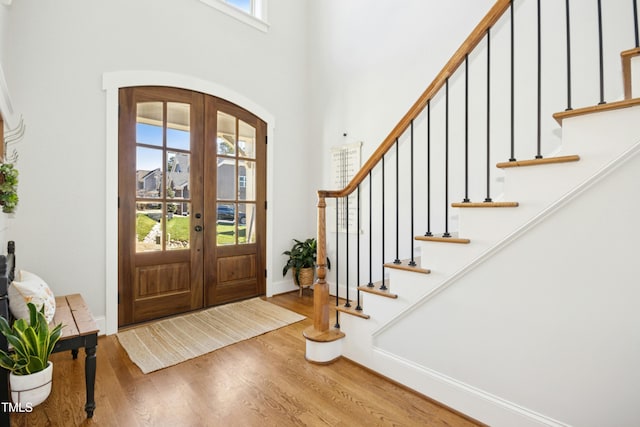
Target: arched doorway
pixel 192 202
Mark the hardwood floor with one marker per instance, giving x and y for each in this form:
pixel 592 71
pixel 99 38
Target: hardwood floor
pixel 264 381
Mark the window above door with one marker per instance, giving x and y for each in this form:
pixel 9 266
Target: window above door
pixel 250 12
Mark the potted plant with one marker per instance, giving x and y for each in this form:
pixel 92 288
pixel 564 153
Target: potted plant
pixel 302 261
pixel 8 187
pixel 28 361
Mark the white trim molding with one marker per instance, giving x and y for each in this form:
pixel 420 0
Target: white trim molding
pixel 258 20
pixel 111 83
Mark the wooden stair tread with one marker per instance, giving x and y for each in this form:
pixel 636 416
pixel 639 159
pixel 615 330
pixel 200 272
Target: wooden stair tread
pixel 351 310
pixel 616 105
pixel 443 239
pixel 485 205
pixel 330 335
pixel 404 265
pixel 375 289
pixel 535 162
pixel 631 52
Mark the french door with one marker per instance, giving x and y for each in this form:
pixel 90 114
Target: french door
pixel 192 184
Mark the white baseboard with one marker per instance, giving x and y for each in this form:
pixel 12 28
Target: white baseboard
pixel 280 287
pixel 102 325
pixel 470 400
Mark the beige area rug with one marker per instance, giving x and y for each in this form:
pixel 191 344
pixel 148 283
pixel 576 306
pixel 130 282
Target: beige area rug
pixel 172 341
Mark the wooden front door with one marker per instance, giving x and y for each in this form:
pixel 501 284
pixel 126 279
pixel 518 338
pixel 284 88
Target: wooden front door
pixel 191 203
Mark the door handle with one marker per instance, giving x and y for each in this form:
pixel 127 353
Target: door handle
pixel 198 228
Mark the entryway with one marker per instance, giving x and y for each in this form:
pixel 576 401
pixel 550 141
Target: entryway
pixel 192 203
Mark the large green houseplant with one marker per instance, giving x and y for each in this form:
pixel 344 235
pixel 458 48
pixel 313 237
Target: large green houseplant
pixel 32 343
pixel 302 261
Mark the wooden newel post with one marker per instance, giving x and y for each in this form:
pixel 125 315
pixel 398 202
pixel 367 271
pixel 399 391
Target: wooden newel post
pixel 323 345
pixel 321 288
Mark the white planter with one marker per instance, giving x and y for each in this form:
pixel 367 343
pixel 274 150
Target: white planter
pixel 31 389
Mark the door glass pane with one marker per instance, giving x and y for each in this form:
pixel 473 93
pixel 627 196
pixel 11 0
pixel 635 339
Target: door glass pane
pixel 226 224
pixel 149 123
pixel 226 137
pixel 246 226
pixel 178 173
pixel 148 172
pixel 178 226
pixel 246 180
pixel 226 179
pixel 246 140
pixel 148 227
pixel 178 125
pixel 236 181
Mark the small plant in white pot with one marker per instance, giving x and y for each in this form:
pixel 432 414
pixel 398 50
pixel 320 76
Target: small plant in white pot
pixel 28 359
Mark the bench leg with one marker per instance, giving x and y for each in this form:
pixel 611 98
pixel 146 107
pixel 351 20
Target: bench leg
pixel 4 397
pixel 90 374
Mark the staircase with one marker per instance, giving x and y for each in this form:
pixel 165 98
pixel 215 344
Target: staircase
pixel 520 310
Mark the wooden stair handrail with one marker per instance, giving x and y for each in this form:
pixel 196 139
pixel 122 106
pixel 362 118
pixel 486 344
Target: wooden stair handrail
pixel 456 60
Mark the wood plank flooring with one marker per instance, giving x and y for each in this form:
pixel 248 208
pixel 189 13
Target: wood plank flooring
pixel 264 381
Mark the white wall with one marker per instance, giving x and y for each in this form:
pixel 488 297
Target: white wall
pixel 55 55
pixel 371 60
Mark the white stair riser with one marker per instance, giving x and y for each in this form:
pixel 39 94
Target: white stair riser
pixel 600 138
pixel 383 308
pixel 447 258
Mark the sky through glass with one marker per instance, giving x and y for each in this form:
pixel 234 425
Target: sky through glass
pixel 241 4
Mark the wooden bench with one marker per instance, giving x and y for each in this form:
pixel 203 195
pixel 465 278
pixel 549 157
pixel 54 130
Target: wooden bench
pixel 80 331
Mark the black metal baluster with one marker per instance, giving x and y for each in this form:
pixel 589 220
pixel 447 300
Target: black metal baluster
pixel 466 129
pixel 513 148
pixel 428 233
pixel 397 260
pixel 370 284
pixel 412 263
pixel 488 198
pixel 358 307
pixel 602 101
pixel 337 325
pixel 346 238
pixel 568 57
pixel 383 286
pixel 635 22
pixel 446 160
pixel 539 137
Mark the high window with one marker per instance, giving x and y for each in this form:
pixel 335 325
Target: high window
pixel 251 12
pixel 245 5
